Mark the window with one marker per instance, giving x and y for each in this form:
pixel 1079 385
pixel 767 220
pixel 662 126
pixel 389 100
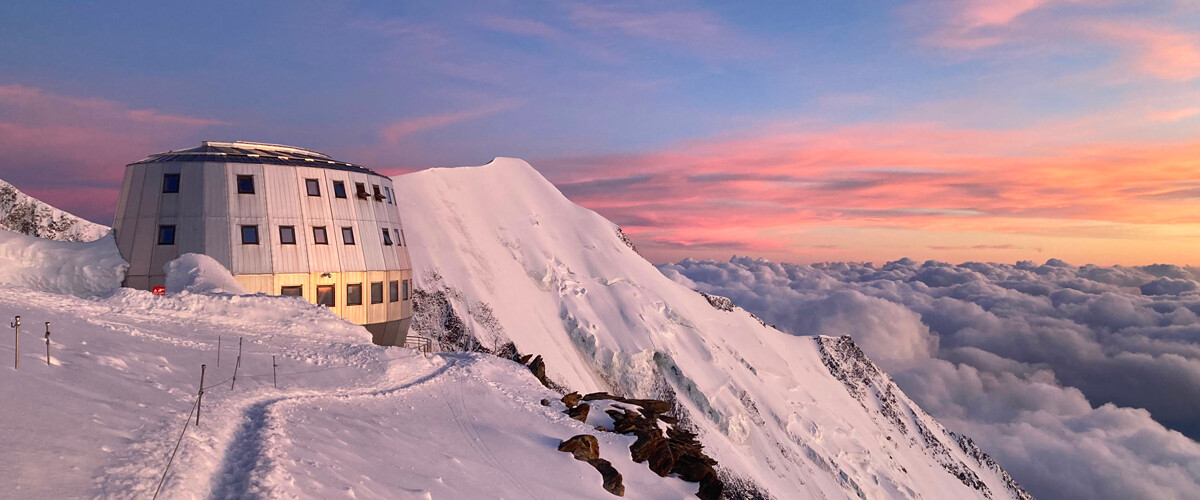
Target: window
pixel 393 291
pixel 319 236
pixel 354 294
pixel 249 235
pixel 170 183
pixel 326 296
pixel 378 195
pixel 377 292
pixel 348 235
pixel 287 235
pixel 313 187
pixel 166 235
pixel 292 291
pixel 406 286
pixel 388 192
pixel 360 190
pixel 245 184
pixel 339 189
pixel 387 237
pixel 400 237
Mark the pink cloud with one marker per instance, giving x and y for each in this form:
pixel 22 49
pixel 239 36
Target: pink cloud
pixel 1158 51
pixel 56 144
pixel 751 193
pixel 392 134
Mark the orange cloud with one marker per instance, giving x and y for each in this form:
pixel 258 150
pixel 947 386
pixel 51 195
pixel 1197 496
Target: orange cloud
pixel 757 192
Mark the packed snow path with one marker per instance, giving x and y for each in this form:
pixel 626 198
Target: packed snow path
pixel 349 419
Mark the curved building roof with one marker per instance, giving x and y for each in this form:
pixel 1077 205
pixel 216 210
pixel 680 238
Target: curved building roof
pixel 255 152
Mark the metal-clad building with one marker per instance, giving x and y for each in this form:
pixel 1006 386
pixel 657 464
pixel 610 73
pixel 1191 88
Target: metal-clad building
pixel 283 220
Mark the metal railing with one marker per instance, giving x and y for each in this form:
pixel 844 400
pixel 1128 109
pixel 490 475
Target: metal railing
pixel 423 344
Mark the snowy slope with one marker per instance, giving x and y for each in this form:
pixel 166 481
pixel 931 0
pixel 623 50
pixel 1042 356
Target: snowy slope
pixel 348 420
pixel 795 417
pixel 25 214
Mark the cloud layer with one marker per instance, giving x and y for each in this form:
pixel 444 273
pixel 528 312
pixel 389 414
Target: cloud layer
pixel 1081 381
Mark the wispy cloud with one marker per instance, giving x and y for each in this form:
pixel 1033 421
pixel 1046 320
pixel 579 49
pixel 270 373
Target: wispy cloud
pixel 73 149
pixel 699 30
pixel 394 132
pixel 920 177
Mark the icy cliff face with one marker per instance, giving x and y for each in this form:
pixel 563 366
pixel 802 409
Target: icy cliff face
pixel 21 213
pixel 504 262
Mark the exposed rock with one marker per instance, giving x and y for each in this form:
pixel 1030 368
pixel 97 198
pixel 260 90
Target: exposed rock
pixel 677 452
pixel 593 396
pixel 545 402
pixel 538 367
pixel 613 482
pixel 654 405
pixel 572 399
pixel 525 359
pixel 579 413
pixel 584 447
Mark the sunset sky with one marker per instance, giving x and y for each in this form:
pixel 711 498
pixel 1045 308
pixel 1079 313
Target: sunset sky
pixel 802 131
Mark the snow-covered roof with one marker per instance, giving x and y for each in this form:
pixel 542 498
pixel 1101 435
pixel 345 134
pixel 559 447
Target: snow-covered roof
pixel 255 152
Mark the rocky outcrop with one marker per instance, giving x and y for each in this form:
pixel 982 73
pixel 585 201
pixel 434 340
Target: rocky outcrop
pixel 579 412
pixel 677 451
pixel 586 448
pixel 21 213
pixel 865 382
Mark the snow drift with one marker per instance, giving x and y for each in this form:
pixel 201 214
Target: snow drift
pixel 196 273
pixel 505 259
pixel 81 269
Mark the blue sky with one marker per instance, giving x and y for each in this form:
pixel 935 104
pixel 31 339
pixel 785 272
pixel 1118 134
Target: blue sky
pixel 827 94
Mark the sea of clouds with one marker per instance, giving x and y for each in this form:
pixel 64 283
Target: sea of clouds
pixel 1083 382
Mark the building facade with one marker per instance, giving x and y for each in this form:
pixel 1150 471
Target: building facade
pixel 283 220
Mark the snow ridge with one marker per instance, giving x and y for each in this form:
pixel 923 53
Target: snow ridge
pixel 21 213
pixel 785 416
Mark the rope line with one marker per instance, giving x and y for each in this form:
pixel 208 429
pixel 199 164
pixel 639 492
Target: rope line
pixel 187 421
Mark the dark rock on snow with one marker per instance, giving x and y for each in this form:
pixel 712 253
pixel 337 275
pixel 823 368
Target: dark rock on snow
pixel 579 413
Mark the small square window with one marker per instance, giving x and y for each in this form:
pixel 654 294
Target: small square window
pixel 388 192
pixel 326 296
pixel 377 292
pixel 348 235
pixel 245 184
pixel 354 294
pixel 170 183
pixel 387 237
pixel 406 287
pixel 393 291
pixel 249 235
pixel 292 291
pixel 166 235
pixel 287 235
pixel 360 190
pixel 319 236
pixel 339 189
pixel 313 187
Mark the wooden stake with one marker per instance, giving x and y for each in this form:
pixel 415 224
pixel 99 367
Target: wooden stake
pixel 47 343
pixel 16 326
pixel 218 350
pixel 200 397
pixel 236 365
pixel 274 380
